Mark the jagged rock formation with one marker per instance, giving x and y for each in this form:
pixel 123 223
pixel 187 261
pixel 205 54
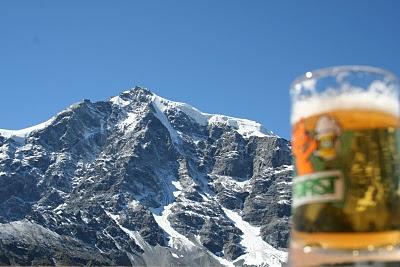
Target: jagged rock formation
pixel 141 180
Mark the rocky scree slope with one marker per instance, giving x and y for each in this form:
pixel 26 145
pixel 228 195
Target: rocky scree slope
pixel 141 180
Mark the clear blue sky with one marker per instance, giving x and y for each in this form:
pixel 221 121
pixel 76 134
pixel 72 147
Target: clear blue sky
pixel 231 57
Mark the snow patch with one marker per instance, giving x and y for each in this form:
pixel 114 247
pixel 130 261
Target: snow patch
pixel 134 203
pixel 130 233
pixel 246 128
pixel 174 255
pixel 130 122
pixel 23 133
pixel 165 104
pixel 284 168
pixel 118 101
pixel 159 107
pixel 178 186
pixel 258 252
pixel 177 240
pixel 133 111
pixel 231 183
pixel 60 207
pixel 4 152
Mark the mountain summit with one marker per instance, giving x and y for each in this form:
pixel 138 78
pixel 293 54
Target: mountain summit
pixel 144 181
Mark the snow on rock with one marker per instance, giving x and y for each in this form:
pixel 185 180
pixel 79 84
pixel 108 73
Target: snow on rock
pixel 130 122
pixel 118 101
pixel 178 186
pixel 228 182
pixel 284 168
pixel 134 203
pixel 177 240
pixel 23 133
pixel 175 255
pixel 244 127
pixel 129 116
pixel 4 152
pixel 258 252
pixel 161 116
pixel 164 104
pixel 132 234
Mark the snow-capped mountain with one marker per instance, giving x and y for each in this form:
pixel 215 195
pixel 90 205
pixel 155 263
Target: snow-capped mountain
pixel 141 180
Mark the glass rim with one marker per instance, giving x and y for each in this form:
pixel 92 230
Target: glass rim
pixel 318 73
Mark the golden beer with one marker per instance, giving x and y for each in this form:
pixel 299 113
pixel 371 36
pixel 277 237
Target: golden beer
pixel 346 182
pixel 364 145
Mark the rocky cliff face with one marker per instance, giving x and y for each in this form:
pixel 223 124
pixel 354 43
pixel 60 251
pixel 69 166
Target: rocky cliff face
pixel 141 180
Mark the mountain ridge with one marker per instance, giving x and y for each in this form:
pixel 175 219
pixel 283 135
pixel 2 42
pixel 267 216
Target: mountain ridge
pixel 161 103
pixel 138 176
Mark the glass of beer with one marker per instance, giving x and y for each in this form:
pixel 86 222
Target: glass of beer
pixel 346 183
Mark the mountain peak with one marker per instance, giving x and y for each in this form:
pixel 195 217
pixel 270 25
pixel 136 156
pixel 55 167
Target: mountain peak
pixel 137 91
pixel 245 127
pixel 142 180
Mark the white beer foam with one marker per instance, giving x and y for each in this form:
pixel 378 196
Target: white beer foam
pixel 379 100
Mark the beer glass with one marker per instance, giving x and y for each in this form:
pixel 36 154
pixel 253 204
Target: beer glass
pixel 345 144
